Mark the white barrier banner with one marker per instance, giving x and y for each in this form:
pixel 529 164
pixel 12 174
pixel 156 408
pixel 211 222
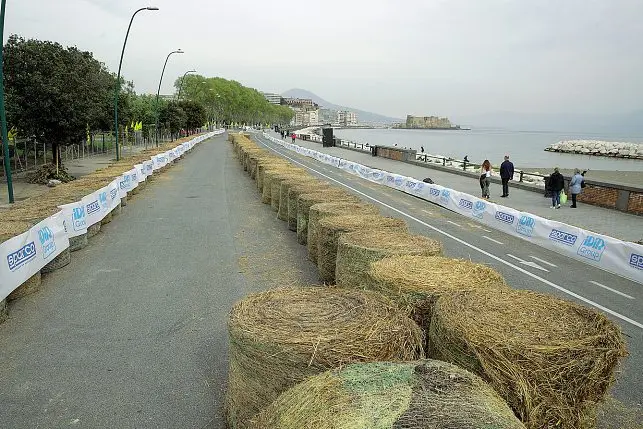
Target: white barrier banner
pixel 25 254
pixel 125 184
pixel 608 253
pixel 113 194
pixel 74 218
pixel 140 175
pixel 96 205
pixel 148 168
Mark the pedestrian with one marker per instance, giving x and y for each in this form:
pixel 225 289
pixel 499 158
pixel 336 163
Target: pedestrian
pixel 294 136
pixel 466 158
pixel 575 186
pixel 556 184
pixel 485 178
pixel 506 174
pixel 421 149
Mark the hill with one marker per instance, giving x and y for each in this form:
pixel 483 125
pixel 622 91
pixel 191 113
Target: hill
pixel 362 115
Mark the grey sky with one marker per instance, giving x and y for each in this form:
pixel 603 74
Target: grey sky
pixel 455 57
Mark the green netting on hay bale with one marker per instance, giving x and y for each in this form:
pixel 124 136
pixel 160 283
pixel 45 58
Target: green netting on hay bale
pixel 319 211
pixel 31 285
pixel 331 227
pixel 281 336
pixel 293 195
pixel 284 189
pixel 307 200
pixel 425 394
pixel 551 360
pixel 275 186
pixel 357 250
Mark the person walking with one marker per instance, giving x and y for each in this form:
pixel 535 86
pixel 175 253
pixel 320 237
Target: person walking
pixel 506 174
pixel 294 136
pixel 485 178
pixel 575 186
pixel 556 184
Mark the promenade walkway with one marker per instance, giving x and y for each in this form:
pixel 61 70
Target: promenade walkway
pixel 609 222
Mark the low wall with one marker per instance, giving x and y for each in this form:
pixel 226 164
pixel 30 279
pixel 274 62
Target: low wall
pixel 613 196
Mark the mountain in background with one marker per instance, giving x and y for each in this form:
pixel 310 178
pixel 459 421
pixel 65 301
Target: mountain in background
pixel 362 116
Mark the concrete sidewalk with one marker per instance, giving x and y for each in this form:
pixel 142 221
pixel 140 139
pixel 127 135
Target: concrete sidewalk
pixel 609 222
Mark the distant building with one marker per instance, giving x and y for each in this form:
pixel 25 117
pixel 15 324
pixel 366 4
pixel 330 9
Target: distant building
pixel 272 97
pixel 428 122
pixel 327 116
pixel 346 118
pixel 301 103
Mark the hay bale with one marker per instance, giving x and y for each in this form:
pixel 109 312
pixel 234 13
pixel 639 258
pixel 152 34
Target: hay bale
pixel 357 250
pixel 62 260
pixel 281 336
pixel 4 310
pixel 124 202
pixel 269 174
pixel 550 359
pixel 319 211
pixel 93 229
pixel 386 395
pixel 275 186
pixel 107 219
pixel 306 201
pixel 78 242
pixel 416 282
pixel 331 227
pixel 284 188
pixel 293 195
pixel 31 285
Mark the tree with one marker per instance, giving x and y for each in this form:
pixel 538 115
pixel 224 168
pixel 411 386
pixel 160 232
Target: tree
pixel 54 93
pixel 173 117
pixel 196 115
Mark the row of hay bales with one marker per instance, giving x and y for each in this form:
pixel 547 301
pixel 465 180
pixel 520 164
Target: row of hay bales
pixel 22 216
pixel 400 336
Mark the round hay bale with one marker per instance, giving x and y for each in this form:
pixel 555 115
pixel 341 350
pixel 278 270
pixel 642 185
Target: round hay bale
pixel 275 184
pixel 293 195
pixel 116 211
pixel 357 250
pixel 62 260
pixel 93 229
pixel 306 201
pixel 136 190
pixel 267 163
pixel 284 188
pixel 319 211
pixel 78 242
pixel 124 202
pixel 269 174
pixel 416 282
pixel 330 229
pixel 107 219
pixel 386 395
pixel 281 336
pixel 4 310
pixel 31 285
pixel 550 359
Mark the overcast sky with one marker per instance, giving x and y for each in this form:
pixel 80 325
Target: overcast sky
pixel 446 57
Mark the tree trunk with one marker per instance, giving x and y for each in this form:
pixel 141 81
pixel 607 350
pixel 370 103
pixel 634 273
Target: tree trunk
pixel 55 151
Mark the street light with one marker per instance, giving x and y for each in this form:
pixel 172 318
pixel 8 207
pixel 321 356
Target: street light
pixel 183 79
pixel 118 76
pixel 178 51
pixel 3 115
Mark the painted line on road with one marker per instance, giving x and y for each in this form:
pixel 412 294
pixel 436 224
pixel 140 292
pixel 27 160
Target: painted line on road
pixel 471 246
pixel 495 241
pixel 428 212
pixel 543 261
pixel 528 263
pixel 612 290
pixel 453 223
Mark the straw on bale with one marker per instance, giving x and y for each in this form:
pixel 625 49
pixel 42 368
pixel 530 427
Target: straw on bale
pixel 306 201
pixel 277 179
pixel 550 359
pixel 293 195
pixel 321 210
pixel 281 336
pixel 386 395
pixel 4 310
pixel 267 163
pixel 93 229
pixel 357 250
pixel 331 227
pixel 8 230
pixel 284 188
pixel 416 282
pixel 269 174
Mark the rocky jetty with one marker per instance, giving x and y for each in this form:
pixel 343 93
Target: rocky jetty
pixel 599 148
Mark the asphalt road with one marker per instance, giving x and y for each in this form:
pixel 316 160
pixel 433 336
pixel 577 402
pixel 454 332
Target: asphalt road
pixel 133 333
pixel 524 265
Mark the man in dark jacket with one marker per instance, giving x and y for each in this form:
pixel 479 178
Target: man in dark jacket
pixel 556 184
pixel 506 174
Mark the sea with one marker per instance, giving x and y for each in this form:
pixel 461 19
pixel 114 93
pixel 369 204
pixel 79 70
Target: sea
pixel 525 148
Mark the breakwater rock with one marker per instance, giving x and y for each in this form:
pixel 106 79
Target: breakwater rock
pixel 599 148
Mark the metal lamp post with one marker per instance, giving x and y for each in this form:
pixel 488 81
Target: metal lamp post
pixel 178 97
pixel 118 77
pixel 178 51
pixel 3 116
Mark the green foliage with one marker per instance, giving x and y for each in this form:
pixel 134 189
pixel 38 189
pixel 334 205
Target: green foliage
pixel 173 117
pixel 195 112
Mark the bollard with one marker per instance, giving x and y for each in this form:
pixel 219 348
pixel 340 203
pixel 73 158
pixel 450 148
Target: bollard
pixel 521 173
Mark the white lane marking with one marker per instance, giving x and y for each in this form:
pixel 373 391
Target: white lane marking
pixel 543 261
pixel 453 223
pixel 491 239
pixel 528 263
pixel 427 212
pixel 471 246
pixel 612 290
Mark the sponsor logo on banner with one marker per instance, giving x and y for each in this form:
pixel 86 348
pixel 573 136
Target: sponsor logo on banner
pixel 399 181
pixel 592 248
pixel 390 179
pixel 563 237
pixel 78 218
pixel 526 225
pixel 125 183
pixel 47 242
pixel 113 193
pixel 411 184
pixel 377 175
pixel 636 261
pixel 478 209
pixel 445 196
pixel 434 192
pixel 505 217
pixel 465 204
pixel 93 207
pixel 135 177
pixel 102 198
pixel 21 256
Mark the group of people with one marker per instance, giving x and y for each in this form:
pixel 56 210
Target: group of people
pixel 284 134
pixel 556 182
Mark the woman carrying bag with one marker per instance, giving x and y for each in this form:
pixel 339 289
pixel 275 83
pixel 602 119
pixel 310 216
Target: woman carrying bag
pixel 485 178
